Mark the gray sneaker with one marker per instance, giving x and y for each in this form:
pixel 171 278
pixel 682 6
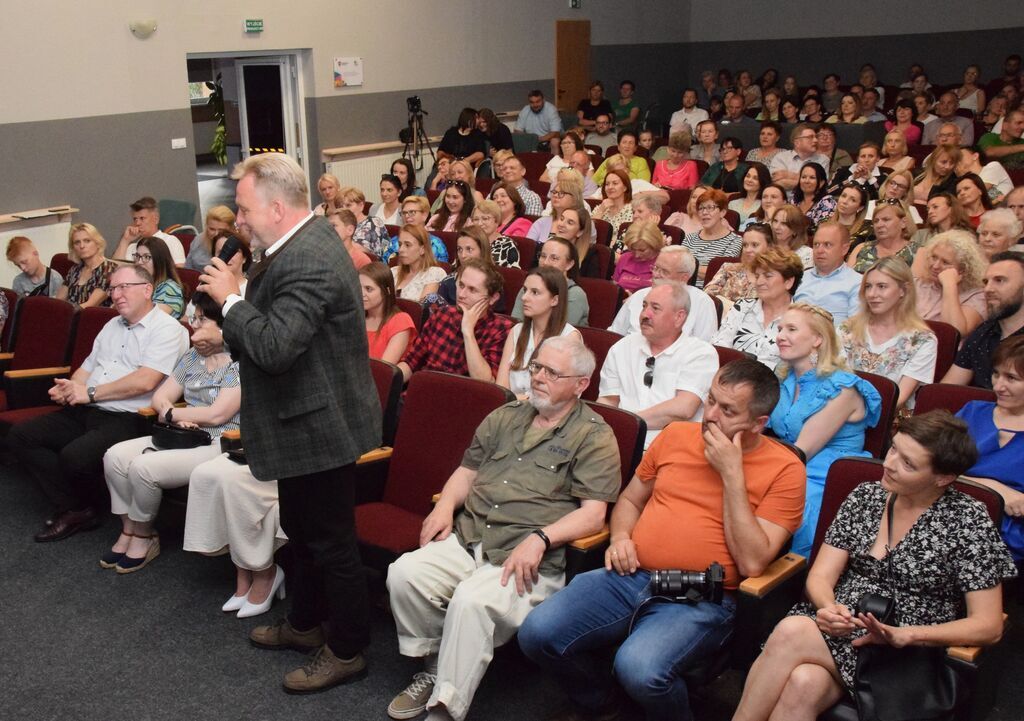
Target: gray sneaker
pixel 413 700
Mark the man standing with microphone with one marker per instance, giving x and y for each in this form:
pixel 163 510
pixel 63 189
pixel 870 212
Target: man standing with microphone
pixel 308 409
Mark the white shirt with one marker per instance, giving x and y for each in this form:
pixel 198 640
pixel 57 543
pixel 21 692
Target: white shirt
pixel 173 244
pixel 701 321
pixel 519 380
pixel 683 118
pixel 230 301
pixel 156 342
pixel 789 160
pixel 688 365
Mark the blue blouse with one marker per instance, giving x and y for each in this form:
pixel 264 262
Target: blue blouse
pixel 791 414
pixel 170 294
pixel 1000 464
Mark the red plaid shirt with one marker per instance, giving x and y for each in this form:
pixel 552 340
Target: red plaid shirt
pixel 439 345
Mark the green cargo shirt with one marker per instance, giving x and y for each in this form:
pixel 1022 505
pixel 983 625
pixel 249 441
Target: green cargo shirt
pixel 520 488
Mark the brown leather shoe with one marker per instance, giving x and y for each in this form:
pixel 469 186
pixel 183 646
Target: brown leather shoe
pixel 68 524
pixel 282 636
pixel 324 671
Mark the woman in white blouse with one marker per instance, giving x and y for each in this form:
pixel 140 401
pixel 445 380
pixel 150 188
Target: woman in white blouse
pixel 417 274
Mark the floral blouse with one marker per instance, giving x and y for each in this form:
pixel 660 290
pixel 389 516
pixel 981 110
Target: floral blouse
pixel 743 328
pixel 504 252
pixel 623 216
pixel 911 354
pixel 372 235
pixel 98 279
pixel 733 282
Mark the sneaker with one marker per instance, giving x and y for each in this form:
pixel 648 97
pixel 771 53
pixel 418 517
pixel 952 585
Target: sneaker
pixel 324 671
pixel 281 636
pixel 413 700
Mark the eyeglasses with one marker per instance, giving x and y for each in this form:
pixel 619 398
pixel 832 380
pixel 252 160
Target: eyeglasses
pixel 707 208
pixel 649 373
pixel 551 374
pixel 195 320
pixel 812 136
pixel 558 194
pixel 141 258
pixel 125 286
pixel 898 185
pixel 413 211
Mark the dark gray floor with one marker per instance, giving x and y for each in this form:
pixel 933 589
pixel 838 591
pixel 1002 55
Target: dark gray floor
pixel 82 643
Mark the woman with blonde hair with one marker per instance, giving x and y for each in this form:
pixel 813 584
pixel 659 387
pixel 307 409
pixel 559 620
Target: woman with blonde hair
pixel 937 174
pixel 417 274
pixel 328 186
pixel 633 270
pixel 887 336
pixel 949 281
pixel 824 409
pixel 370 231
pixel 895 153
pixel 898 185
pixel 892 237
pixel 545 308
pixel 687 220
pixel 790 226
pixel 88 280
pixel 219 218
pixel 487 218
pixel 735 281
pixel 458 170
pixel 574 225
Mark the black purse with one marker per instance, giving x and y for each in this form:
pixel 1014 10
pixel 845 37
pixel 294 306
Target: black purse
pixel 167 436
pixel 913 683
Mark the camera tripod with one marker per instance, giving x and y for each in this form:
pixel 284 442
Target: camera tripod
pixel 416 140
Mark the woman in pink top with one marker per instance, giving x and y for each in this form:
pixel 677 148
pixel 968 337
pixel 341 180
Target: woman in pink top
pixel 513 210
pixel 456 210
pixel 905 122
pixel 677 172
pixel 389 331
pixel 633 269
pixel 949 281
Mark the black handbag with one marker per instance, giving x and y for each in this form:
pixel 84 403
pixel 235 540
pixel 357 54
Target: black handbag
pixel 167 436
pixel 913 683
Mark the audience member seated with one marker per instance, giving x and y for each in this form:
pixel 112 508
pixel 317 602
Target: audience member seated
pixel 973 196
pixel 566 192
pixel 513 172
pixel 417 273
pixel 891 237
pixel 470 243
pixel 706 147
pixel 752 324
pixel 773 197
pixel 829 283
pixel 997 181
pixel 824 408
pixel 389 330
pixel 137 477
pixel 560 253
pixel 810 188
pixel 849 208
pixel 849 112
pixel 735 281
pixel 626 108
pixel 1015 204
pixel 749 93
pixel 897 185
pixel 403 169
pixel 686 119
pixel 146 223
pixel 786 165
pixel 370 231
pixel 869 104
pixel 734 112
pixel 328 186
pixel 945 111
pixel 219 219
pixel 895 153
pixel 727 174
pixel 994 113
pixel 715 237
pixel 460 170
pixel 790 226
pixel 593 106
pixel 755 180
pixel 542 119
pixel 344 224
pixel 416 211
pixel 487 218
pixel 660 373
pixel 452 608
pixel 677 172
pixel 904 123
pixel 789 109
pixel 998 230
pixel 463 141
pixel 456 210
pixel 637 167
pixel 887 336
pixel 616 208
pixel 466 338
pixel 937 174
pixel 512 208
pixel 924 101
pixel 582 165
pixel 1004 295
pixel 153 255
pixel 768 143
pixel 811 111
pixel 832 95
pixel 442 168
pixel 883 538
pixel 944 214
pixel 574 225
pixel 88 281
pixel 238 265
pixel 131 356
pixel 715 492
pixel 771 100
pixel 601 134
pixel 545 309
pixel 837 157
pixel 865 172
pixel 996 429
pixel 970 96
pixel 633 269
pixel 687 220
pixel 35 277
pixel 389 209
pixel 1006 146
pixel 568 145
pixel 948 276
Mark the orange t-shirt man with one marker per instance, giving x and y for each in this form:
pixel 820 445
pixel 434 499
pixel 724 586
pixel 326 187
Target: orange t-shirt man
pixel 681 526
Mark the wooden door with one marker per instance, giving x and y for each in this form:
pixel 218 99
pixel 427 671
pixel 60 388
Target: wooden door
pixel 572 62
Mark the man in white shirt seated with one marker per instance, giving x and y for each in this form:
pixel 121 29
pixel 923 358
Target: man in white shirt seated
pixel 659 373
pixel 831 284
pixel 686 119
pixel 785 166
pixel 146 224
pixel 675 264
pixel 131 356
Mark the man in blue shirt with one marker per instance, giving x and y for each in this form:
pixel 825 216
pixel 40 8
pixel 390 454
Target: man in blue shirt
pixel 831 284
pixel 541 118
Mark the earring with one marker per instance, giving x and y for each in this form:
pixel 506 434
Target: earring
pixel 814 358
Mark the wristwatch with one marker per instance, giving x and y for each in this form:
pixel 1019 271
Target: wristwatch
pixel 167 415
pixel 91 391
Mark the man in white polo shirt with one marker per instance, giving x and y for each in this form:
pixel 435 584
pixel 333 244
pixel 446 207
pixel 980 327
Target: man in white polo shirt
pixel 785 166
pixel 660 374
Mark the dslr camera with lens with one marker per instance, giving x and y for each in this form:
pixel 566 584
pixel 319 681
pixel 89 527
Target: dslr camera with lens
pixel 690 586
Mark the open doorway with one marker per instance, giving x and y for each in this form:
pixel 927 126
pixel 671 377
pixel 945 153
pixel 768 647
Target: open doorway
pixel 256 108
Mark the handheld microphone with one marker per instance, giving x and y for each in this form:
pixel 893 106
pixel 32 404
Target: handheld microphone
pixel 228 251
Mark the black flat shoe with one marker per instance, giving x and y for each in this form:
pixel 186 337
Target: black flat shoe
pixel 110 559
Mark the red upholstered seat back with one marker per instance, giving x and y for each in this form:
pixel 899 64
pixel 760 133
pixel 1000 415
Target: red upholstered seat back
pixel 43 328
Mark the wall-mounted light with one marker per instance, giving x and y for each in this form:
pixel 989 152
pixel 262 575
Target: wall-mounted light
pixel 142 29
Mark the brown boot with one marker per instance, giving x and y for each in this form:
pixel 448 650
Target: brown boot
pixel 324 671
pixel 281 636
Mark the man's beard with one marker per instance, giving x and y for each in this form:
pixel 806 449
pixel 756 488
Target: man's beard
pixel 1006 310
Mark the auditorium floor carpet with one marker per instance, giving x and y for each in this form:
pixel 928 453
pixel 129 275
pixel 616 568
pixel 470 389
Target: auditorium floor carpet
pixel 81 643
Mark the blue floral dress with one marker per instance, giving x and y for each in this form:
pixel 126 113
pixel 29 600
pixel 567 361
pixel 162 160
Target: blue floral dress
pixel 793 411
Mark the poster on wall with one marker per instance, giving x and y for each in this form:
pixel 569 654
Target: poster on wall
pixel 348 71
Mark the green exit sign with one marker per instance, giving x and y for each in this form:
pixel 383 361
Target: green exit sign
pixel 254 25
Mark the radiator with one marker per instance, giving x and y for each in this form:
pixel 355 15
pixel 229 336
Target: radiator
pixel 363 172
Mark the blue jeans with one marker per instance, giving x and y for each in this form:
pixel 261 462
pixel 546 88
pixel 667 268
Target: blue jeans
pixel 660 640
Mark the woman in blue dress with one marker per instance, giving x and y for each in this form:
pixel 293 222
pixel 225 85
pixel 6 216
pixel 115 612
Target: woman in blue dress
pixel 824 408
pixel 998 431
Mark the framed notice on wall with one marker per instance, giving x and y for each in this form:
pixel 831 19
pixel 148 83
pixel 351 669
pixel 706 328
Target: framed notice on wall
pixel 348 71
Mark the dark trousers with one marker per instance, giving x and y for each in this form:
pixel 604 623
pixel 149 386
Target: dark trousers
pixel 63 451
pixel 328 582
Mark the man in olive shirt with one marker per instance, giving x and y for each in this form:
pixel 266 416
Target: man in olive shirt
pixel 537 476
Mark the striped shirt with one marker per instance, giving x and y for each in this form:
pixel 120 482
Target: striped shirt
pixel 203 386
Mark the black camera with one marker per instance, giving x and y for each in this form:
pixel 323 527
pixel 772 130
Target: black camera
pixel 690 586
pixel 882 607
pixel 414 104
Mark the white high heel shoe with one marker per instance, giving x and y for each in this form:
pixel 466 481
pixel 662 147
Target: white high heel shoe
pixel 277 589
pixel 234 603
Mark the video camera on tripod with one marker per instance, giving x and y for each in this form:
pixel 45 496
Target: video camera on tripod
pixel 412 134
